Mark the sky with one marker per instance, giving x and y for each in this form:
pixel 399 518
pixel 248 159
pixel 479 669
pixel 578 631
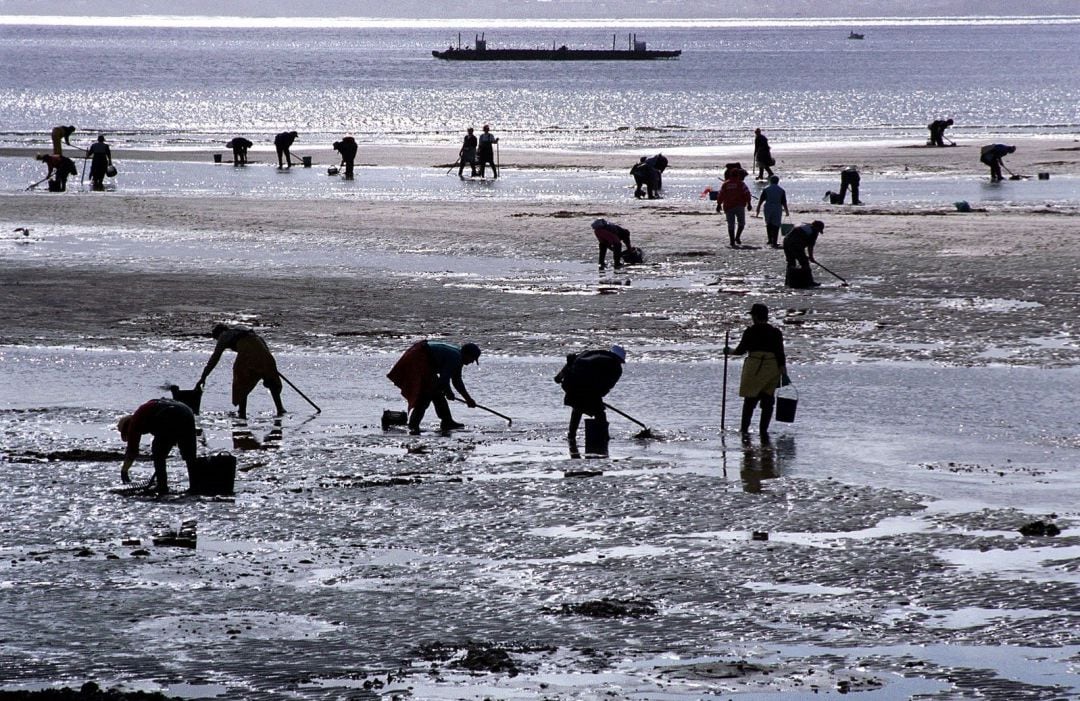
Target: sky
pixel 532 9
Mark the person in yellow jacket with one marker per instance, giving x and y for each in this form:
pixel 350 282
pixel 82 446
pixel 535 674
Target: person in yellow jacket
pixel 764 369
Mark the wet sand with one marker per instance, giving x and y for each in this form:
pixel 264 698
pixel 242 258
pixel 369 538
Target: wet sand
pixel 932 427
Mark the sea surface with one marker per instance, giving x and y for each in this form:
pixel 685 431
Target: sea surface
pixel 167 84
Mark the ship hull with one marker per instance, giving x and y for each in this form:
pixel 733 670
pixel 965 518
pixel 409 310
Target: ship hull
pixel 552 55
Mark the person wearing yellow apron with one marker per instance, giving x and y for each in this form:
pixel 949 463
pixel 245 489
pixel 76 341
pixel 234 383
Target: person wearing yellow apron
pixel 764 369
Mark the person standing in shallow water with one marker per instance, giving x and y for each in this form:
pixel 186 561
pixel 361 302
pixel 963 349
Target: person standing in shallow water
pixel 764 369
pixel 254 362
pixel 239 146
pixel 101 156
pixel 487 143
pixel 774 198
pixel 283 142
pixel 586 379
pixel 467 154
pixel 763 155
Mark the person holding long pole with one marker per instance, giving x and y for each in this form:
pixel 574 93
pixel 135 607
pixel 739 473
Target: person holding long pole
pixel 764 369
pixel 254 362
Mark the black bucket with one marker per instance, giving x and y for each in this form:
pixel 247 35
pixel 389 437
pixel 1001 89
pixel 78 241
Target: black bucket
pixel 394 418
pixel 596 437
pixel 306 160
pixel 191 397
pixel 332 170
pixel 213 475
pixel 217 158
pixel 787 401
pixel 798 278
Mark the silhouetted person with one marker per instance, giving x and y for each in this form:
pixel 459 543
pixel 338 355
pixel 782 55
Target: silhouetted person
pixel 849 178
pixel 586 379
pixel 486 151
pixel 733 199
pixel 774 199
pixel 60 136
pixel 992 156
pixel 764 369
pixel 937 131
pixel 171 423
pixel 347 148
pixel 763 155
pixel 254 362
pixel 283 142
pixel 101 160
pixel 659 162
pixel 424 374
pixel 239 146
pixel 60 169
pixel 467 154
pixel 645 176
pixel 799 252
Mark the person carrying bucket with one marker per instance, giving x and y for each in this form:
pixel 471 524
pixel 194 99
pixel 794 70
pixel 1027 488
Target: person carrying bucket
pixel 101 159
pixel 424 374
pixel 764 369
pixel 171 423
pixel 254 362
pixel 586 379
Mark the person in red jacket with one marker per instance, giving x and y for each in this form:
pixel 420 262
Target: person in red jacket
pixel 734 199
pixel 171 423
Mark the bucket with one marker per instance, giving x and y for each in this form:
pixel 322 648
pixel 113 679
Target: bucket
pixel 213 475
pixel 596 437
pixel 787 400
pixel 332 170
pixel 307 161
pixel 217 158
pixel 1044 176
pixel 191 397
pixel 785 229
pixel 798 278
pixel 394 418
pixel 111 171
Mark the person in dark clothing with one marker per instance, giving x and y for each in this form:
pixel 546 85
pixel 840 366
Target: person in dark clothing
pixel 467 154
pixel 992 156
pixel 347 147
pixel 239 146
pixel 763 155
pixel 283 142
pixel 937 131
pixel 763 370
pixel 425 373
pixel 254 362
pixel 645 176
pixel 101 156
pixel 171 423
pixel 799 252
pixel 849 178
pixel 586 379
pixel 611 237
pixel 659 162
pixel 486 144
pixel 60 169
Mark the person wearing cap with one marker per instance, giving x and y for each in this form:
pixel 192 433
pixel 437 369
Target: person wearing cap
pixel 937 131
pixel 763 155
pixel 467 154
pixel 101 156
pixel 764 369
pixel 172 424
pixel 254 362
pixel 799 251
pixel 424 374
pixel 774 199
pixel 61 136
pixel 733 199
pixel 347 148
pixel 486 154
pixel 613 237
pixel 586 379
pixel 283 142
pixel 992 155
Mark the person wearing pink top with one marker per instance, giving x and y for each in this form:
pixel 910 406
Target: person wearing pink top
pixel 734 199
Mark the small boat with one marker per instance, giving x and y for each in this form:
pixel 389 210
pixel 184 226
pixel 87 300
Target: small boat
pixel 855 35
pixel 635 51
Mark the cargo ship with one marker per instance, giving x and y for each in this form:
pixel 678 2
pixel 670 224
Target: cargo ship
pixel 635 51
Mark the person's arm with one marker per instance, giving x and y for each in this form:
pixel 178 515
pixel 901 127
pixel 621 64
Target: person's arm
pixel 459 385
pixel 212 363
pixel 783 201
pixel 810 252
pixel 741 348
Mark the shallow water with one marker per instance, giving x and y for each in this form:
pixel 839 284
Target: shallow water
pixel 565 186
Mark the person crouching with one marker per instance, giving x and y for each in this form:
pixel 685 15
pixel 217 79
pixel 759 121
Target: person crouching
pixel 171 423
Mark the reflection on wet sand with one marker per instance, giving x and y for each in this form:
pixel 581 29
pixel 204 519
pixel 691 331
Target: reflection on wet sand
pixel 243 437
pixel 765 461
